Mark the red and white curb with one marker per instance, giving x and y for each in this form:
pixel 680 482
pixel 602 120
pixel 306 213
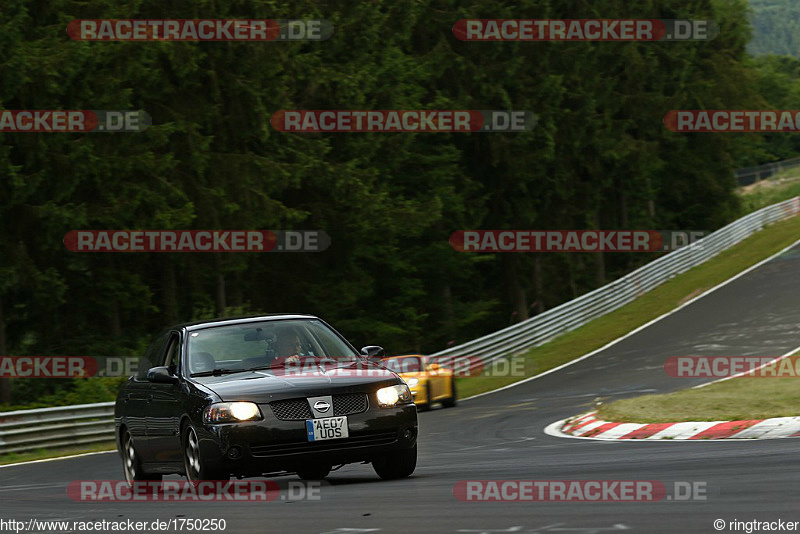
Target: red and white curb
pixel 587 426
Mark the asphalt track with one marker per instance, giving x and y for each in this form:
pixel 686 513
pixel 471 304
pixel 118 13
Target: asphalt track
pixel 500 436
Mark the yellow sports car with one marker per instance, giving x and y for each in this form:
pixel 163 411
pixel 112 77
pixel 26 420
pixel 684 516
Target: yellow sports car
pixel 429 381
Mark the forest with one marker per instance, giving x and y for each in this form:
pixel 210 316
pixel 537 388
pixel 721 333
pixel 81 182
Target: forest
pixel 598 158
pixel 775 27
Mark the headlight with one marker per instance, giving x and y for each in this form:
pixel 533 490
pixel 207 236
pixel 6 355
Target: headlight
pixel 412 382
pixel 388 397
pixel 227 412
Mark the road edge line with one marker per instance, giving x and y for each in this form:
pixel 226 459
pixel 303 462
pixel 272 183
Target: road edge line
pixel 56 458
pixel 640 328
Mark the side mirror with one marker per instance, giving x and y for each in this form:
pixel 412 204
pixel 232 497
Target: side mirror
pixel 433 367
pixel 161 375
pixel 373 352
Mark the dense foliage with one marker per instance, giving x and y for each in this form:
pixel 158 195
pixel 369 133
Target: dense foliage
pixel 600 157
pixel 776 27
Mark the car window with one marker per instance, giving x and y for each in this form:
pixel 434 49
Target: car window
pixel 331 345
pixel 171 356
pixel 259 344
pixel 229 347
pixel 152 357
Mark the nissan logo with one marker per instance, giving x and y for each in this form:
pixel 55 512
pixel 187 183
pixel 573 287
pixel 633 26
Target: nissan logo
pixel 322 406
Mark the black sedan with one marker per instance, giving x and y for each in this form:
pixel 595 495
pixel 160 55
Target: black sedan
pixel 262 396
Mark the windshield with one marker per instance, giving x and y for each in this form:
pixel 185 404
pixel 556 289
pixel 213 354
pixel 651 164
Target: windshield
pixel 241 347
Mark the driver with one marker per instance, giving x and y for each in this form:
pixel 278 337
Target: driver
pixel 289 347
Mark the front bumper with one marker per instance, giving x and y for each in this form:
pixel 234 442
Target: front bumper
pixel 419 393
pixel 271 445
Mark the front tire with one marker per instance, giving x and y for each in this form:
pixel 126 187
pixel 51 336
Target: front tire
pixel 132 464
pixel 396 465
pixel 452 400
pixel 428 401
pixel 194 466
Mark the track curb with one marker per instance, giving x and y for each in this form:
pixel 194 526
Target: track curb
pixel 588 426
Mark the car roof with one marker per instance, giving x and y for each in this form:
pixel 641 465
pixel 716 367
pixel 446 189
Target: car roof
pixel 240 320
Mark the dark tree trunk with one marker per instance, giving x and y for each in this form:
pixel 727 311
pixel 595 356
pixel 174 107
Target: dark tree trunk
pixel 623 210
pixel 519 300
pixel 599 258
pixel 170 287
pixel 573 285
pixel 115 321
pixel 447 298
pixel 220 290
pixel 600 268
pixel 5 383
pixel 237 297
pixel 538 283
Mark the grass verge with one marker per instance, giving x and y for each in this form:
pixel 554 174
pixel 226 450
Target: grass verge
pixel 42 454
pixel 731 400
pixel 664 298
pixel 780 187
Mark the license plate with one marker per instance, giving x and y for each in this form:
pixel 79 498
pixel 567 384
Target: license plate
pixel 327 428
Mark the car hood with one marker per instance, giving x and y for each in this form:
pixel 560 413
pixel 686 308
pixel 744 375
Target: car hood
pixel 269 385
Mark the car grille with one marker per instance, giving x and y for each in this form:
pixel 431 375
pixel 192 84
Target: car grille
pixel 291 410
pixel 301 447
pixel 349 404
pixel 298 409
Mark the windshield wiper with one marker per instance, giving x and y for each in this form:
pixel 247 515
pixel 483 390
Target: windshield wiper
pixel 220 372
pixel 259 368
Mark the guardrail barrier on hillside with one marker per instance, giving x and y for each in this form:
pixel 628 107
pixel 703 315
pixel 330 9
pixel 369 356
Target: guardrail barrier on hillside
pixel 92 423
pixel 751 175
pixel 53 428
pixel 579 311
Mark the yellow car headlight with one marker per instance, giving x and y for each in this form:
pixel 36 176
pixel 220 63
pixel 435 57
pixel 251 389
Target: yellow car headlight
pixel 392 395
pixel 231 412
pixel 412 382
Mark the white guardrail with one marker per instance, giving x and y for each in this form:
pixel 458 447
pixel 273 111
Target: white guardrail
pixel 53 428
pixel 577 312
pixel 27 430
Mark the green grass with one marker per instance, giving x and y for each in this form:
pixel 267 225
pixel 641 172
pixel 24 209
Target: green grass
pixel 732 400
pixel 85 391
pixel 41 454
pixel 780 187
pixel 664 298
